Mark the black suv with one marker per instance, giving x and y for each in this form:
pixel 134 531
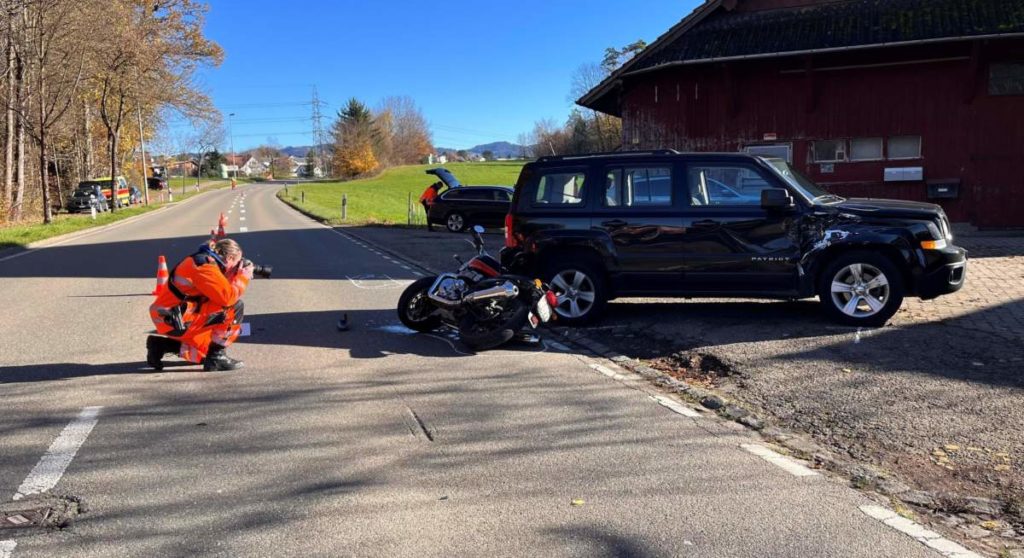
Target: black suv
pixel 720 225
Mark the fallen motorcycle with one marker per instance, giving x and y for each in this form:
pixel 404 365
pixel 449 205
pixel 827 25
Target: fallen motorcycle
pixel 487 306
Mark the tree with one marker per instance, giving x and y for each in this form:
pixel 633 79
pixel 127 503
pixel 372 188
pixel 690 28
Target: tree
pixel 614 58
pixel 208 138
pixel 407 133
pixel 150 54
pixel 210 164
pixel 310 169
pixel 354 133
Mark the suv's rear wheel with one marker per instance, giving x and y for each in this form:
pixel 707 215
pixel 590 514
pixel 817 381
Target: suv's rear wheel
pixel 455 222
pixel 861 289
pixel 581 289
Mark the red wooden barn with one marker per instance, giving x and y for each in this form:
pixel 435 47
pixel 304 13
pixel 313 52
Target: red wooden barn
pixel 912 99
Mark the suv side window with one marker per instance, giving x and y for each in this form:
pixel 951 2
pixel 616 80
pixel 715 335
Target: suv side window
pixel 502 195
pixel 559 187
pixel 725 185
pixel 638 187
pixel 477 194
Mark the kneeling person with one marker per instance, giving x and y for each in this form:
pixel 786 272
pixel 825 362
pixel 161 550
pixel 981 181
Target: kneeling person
pixel 200 313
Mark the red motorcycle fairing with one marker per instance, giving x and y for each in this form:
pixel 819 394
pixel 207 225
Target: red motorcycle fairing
pixel 486 265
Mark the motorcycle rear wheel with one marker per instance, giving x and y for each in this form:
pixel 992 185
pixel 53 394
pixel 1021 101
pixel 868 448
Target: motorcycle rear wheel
pixel 489 334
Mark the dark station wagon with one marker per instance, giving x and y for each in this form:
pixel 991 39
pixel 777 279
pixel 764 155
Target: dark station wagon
pixel 663 223
pixel 462 207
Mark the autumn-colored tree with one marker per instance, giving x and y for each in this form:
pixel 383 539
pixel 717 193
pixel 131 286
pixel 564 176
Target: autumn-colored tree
pixel 355 134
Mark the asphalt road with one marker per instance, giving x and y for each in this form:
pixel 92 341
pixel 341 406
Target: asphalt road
pixel 365 443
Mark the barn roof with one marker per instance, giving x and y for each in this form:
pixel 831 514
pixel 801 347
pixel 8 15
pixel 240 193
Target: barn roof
pixel 712 33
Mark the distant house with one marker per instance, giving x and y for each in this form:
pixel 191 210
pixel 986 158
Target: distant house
pixel 182 168
pixel 300 168
pixel 914 99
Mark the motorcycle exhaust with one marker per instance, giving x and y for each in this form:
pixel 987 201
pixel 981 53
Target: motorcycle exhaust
pixel 505 290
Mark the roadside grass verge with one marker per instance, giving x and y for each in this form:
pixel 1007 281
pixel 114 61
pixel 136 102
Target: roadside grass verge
pixel 21 235
pixel 384 199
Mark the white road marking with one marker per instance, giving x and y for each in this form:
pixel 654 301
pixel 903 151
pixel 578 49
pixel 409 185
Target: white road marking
pixel 241 211
pixel 915 531
pixel 604 370
pixel 556 345
pixel 787 464
pixel 241 218
pixel 675 406
pixel 385 282
pixel 6 548
pixel 243 229
pixel 55 461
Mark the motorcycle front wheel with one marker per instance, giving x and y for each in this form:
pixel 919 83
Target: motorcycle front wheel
pixel 482 335
pixel 415 310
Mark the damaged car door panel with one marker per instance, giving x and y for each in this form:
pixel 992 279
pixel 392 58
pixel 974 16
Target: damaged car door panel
pixel 665 223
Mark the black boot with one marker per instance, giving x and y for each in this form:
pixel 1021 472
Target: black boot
pixel 157 347
pixel 218 361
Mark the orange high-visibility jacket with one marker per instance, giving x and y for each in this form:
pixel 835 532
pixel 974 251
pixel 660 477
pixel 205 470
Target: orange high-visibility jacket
pixel 200 276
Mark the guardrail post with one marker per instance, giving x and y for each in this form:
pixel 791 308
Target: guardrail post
pixel 344 207
pixel 303 196
pixel 409 211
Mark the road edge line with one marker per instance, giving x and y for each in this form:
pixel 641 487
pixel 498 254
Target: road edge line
pixel 787 464
pixel 918 532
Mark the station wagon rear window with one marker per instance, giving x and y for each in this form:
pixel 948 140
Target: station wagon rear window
pixel 560 188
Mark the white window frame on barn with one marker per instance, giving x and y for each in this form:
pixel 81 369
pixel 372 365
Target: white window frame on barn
pixel 838 154
pixel 875 143
pixel 771 150
pixel 917 154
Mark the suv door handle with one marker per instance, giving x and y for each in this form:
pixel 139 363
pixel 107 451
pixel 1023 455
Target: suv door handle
pixel 614 223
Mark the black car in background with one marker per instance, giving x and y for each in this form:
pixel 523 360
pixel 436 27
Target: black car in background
pixel 156 183
pixel 84 200
pixel 459 208
pixel 663 223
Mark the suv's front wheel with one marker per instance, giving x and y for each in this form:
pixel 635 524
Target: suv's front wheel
pixel 581 289
pixel 861 289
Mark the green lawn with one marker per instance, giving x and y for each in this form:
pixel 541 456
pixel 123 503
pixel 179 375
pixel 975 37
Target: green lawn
pixel 384 199
pixel 63 223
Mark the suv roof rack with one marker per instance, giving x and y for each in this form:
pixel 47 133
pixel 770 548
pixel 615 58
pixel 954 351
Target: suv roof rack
pixel 550 158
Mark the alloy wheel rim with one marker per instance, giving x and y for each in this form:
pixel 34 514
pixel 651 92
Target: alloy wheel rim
pixel 455 222
pixel 575 291
pixel 418 309
pixel 860 290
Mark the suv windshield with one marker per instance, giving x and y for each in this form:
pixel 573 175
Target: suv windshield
pixel 800 182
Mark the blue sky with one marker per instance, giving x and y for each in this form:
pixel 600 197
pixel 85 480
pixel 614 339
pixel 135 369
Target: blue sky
pixel 479 71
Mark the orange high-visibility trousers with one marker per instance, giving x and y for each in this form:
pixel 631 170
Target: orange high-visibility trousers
pixel 204 324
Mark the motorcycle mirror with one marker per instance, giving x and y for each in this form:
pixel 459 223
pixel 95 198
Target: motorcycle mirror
pixel 478 229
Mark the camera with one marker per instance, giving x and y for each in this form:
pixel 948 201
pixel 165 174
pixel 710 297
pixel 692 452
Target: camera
pixel 263 271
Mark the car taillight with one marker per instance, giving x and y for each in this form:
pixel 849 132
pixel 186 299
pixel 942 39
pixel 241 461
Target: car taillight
pixel 510 238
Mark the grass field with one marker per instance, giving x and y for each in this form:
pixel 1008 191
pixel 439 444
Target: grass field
pixel 384 199
pixel 63 223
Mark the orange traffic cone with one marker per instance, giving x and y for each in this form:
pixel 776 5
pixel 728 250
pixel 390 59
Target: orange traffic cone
pixel 221 223
pixel 162 275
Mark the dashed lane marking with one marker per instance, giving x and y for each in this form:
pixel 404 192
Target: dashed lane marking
pixel 241 218
pixel 915 531
pixel 55 461
pixel 787 464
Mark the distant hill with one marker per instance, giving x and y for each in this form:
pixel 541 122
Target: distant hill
pixel 501 149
